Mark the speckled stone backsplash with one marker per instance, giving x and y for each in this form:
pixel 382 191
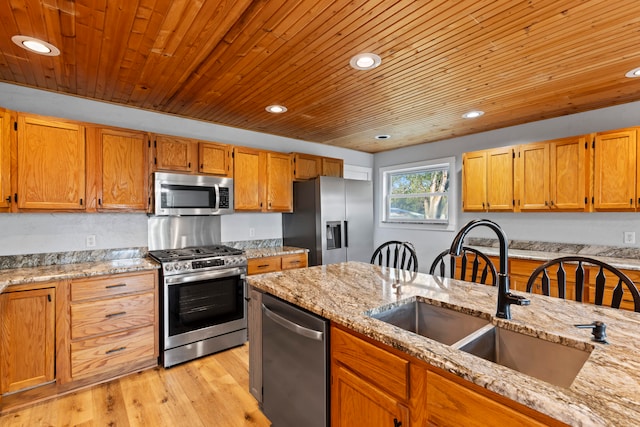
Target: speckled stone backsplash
pixel 562 248
pixel 251 244
pixel 72 257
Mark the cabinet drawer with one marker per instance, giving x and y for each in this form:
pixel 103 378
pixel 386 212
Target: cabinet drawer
pixel 378 366
pixel 104 287
pixel 263 265
pixel 96 355
pixel 105 316
pixel 294 261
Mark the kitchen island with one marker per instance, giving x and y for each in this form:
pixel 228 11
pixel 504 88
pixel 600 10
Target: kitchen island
pixel 604 392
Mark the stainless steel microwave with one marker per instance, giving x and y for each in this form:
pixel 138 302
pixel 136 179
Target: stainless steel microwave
pixel 182 194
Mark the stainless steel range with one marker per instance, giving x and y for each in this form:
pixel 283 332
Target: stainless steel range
pixel 203 305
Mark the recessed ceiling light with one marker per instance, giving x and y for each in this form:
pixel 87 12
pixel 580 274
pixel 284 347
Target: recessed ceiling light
pixel 365 61
pixel 383 136
pixel 35 45
pixel 633 73
pixel 276 109
pixel 473 114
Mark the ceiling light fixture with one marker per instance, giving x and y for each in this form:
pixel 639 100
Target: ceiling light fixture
pixel 633 73
pixel 276 109
pixel 383 136
pixel 473 114
pixel 35 45
pixel 365 61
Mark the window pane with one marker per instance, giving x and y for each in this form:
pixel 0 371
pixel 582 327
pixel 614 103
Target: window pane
pixel 429 181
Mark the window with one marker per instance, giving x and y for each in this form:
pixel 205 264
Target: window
pixel 418 193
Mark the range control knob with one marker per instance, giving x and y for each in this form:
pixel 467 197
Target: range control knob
pixel 168 267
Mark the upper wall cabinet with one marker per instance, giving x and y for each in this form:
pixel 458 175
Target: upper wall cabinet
pixel 184 155
pixel 615 163
pixel 5 160
pixel 51 163
pixel 262 180
pixel 308 166
pixel 487 180
pixel 121 178
pixel 551 175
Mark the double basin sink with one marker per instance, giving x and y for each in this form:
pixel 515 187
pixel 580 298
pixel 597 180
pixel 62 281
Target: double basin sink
pixel 548 361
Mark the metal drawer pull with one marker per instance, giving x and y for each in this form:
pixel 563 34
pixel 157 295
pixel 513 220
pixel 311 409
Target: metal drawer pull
pixel 263 266
pixel 119 285
pixel 115 350
pixel 121 313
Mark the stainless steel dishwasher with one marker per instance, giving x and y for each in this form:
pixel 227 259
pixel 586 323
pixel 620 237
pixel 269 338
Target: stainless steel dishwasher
pixel 295 382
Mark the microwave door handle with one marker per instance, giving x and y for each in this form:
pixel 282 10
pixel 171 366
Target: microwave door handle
pixel 217 191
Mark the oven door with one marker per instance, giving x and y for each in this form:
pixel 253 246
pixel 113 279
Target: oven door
pixel 202 305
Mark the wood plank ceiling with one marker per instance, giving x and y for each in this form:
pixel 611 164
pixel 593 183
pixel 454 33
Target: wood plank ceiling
pixel 225 61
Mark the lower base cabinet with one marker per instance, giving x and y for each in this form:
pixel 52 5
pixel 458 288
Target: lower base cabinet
pixel 375 385
pixel 27 339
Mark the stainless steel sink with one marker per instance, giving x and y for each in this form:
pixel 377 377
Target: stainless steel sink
pixel 437 323
pixel 548 361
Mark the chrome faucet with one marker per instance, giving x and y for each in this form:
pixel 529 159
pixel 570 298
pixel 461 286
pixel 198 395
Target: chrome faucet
pixel 505 297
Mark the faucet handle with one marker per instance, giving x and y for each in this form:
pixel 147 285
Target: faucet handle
pixel 518 299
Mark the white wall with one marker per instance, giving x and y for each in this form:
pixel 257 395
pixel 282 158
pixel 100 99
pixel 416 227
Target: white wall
pixel 587 228
pixel 38 233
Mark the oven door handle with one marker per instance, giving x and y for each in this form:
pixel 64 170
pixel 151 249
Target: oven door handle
pixel 197 277
pixel 292 326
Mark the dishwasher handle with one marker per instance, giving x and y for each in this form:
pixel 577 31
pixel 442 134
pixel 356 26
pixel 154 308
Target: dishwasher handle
pixel 292 326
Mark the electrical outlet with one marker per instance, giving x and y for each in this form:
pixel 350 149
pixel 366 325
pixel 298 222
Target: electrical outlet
pixel 252 232
pixel 629 237
pixel 91 240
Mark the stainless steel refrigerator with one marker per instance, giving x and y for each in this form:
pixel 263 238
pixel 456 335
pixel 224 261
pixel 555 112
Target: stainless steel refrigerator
pixel 333 218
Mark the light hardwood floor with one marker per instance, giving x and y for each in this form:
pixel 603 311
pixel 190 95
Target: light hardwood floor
pixel 210 392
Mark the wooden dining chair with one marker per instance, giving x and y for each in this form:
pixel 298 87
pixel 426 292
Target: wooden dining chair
pixel 552 278
pixel 471 266
pixel 396 254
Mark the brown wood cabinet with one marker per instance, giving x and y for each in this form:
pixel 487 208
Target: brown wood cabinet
pixel 309 166
pixel 262 180
pixel 5 160
pixel 376 385
pixel 276 263
pixel 487 180
pixel 185 155
pixel 51 164
pixel 113 324
pixel 121 174
pixel 27 338
pixel 615 164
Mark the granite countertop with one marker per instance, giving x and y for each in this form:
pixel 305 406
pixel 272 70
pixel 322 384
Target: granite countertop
pixel 273 251
pixel 619 257
pixel 605 392
pixel 39 268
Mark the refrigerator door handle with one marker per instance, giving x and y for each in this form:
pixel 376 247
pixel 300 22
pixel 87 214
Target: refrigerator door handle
pixel 346 235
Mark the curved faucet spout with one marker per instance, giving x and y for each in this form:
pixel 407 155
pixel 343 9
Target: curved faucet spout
pixel 505 297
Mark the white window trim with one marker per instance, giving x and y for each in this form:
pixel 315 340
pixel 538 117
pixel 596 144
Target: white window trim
pixel 453 200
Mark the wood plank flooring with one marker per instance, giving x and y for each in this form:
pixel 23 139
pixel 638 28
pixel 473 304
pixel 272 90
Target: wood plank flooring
pixel 210 392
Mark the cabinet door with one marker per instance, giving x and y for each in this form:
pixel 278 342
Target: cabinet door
pixel 500 179
pixel 568 170
pixel 122 171
pixel 246 183
pixel 279 189
pixel 51 164
pixel 306 166
pixel 214 159
pixel 615 170
pixel 5 163
pixel 355 402
pixel 453 404
pixel 27 338
pixel 474 181
pixel 332 167
pixel 174 154
pixel 533 176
